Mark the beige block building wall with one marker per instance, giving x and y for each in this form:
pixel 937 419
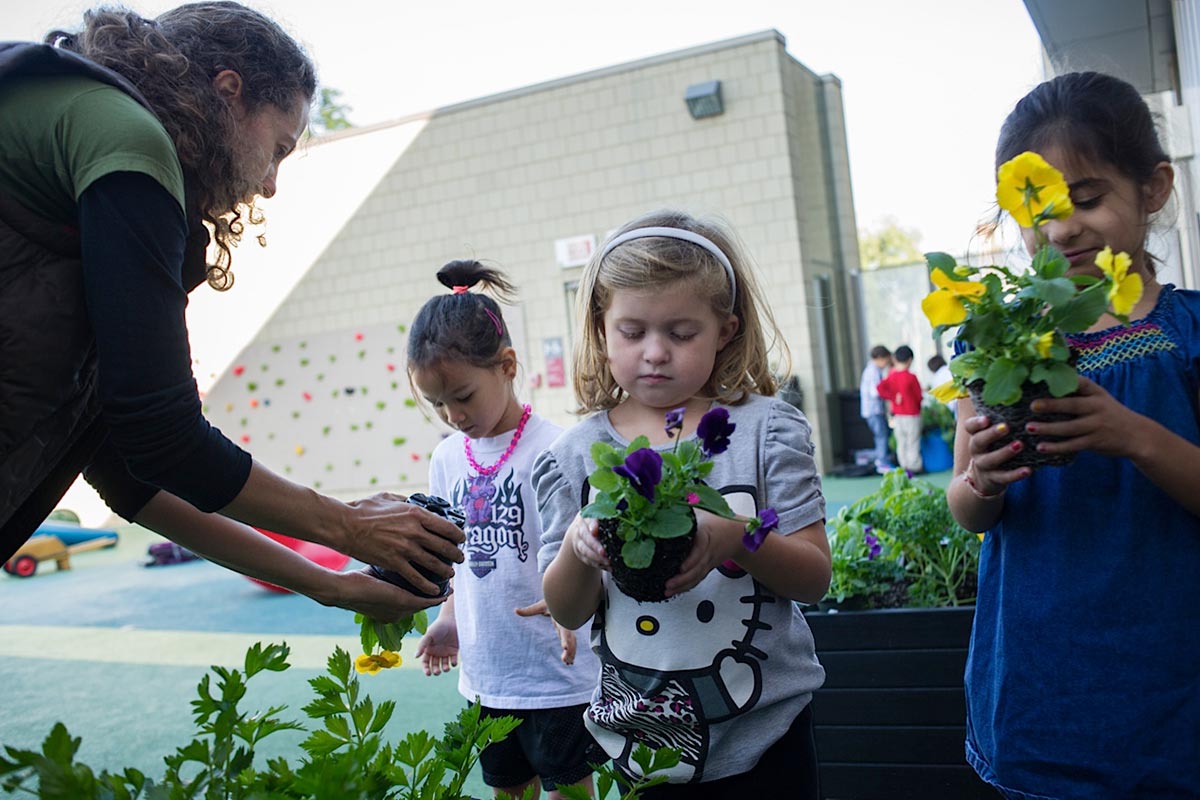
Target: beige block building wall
pixel 502 178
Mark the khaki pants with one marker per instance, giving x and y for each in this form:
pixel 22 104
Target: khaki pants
pixel 908 441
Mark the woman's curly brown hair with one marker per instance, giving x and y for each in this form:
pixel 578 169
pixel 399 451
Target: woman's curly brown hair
pixel 172 60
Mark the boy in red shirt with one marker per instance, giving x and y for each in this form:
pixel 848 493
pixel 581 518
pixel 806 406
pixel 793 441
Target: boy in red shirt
pixel 902 389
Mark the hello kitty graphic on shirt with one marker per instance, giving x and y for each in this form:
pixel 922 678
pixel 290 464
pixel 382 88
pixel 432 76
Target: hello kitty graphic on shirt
pixel 671 670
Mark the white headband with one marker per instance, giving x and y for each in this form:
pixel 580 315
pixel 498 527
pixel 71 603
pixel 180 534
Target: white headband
pixel 677 233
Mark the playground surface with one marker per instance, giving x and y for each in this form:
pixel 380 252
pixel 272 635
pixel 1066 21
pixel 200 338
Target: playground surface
pixel 114 650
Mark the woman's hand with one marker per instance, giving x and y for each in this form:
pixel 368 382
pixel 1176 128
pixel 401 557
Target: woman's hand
pixel 386 531
pixel 583 537
pixel 438 648
pixel 566 636
pixel 1100 424
pixel 363 593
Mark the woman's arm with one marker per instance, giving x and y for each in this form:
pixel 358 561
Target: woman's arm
pixel 383 530
pixel 245 550
pixel 133 235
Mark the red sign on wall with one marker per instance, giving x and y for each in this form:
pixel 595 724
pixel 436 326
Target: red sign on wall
pixel 556 371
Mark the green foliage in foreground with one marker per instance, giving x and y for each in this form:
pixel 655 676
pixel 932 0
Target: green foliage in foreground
pixel 344 754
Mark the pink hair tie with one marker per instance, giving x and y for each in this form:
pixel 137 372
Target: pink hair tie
pixel 460 289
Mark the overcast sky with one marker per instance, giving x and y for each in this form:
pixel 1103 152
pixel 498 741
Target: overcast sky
pixel 926 82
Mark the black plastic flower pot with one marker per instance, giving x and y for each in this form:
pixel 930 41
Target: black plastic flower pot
pixel 1017 416
pixel 647 585
pixel 442 508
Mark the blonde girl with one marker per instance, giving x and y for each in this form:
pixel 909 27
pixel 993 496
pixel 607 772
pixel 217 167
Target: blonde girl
pixel 724 668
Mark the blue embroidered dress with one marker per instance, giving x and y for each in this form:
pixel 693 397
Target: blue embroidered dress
pixel 1083 679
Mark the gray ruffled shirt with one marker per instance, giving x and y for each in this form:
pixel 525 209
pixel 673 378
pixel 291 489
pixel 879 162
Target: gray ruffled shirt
pixel 720 672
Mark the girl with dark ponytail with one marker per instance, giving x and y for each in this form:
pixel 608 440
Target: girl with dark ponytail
pixel 461 361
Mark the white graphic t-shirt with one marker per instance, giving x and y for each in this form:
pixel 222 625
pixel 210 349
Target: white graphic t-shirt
pixel 509 662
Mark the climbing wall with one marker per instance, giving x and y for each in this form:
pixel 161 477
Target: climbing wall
pixel 332 411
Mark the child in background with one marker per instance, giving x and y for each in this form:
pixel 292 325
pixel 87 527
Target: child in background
pixel 871 405
pixel 1083 679
pixel 669 318
pixel 461 361
pixel 902 389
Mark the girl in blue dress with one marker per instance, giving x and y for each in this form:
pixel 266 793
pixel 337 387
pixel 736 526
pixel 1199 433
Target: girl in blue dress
pixel 1083 679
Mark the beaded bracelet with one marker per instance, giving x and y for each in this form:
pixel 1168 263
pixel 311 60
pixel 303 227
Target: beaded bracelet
pixel 966 476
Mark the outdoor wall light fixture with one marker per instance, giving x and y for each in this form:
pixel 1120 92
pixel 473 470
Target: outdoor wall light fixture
pixel 704 99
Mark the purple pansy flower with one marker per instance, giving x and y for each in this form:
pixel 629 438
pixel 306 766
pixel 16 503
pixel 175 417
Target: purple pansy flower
pixel 872 543
pixel 714 431
pixel 675 420
pixel 768 521
pixel 643 469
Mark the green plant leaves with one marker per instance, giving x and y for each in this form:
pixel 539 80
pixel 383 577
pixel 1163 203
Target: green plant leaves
pixel 345 755
pixel 1049 263
pixel 1061 379
pixel 1054 292
pixel 602 507
pixel 605 455
pixel 638 554
pixel 924 554
pixel 671 523
pixel 1083 311
pixel 710 499
pixel 604 479
pixel 272 657
pixel 1003 382
pixel 943 261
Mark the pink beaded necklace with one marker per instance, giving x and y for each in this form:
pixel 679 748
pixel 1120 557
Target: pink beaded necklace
pixel 526 410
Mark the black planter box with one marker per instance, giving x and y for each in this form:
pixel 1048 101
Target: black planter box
pixel 890 719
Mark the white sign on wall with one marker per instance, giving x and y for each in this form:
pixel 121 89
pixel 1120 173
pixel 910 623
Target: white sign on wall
pixel 575 250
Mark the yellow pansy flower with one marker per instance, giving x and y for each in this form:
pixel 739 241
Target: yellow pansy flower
pixel 1126 289
pixel 1028 176
pixel 1043 343
pixel 371 664
pixel 947 391
pixel 946 305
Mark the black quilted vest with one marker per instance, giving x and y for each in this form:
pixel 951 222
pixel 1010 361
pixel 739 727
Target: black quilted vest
pixel 50 424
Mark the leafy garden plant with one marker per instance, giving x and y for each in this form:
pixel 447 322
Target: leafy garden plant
pixel 1015 321
pixel 653 496
pixel 901 546
pixel 344 753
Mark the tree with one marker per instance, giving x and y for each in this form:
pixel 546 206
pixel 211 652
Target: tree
pixel 331 113
pixel 889 245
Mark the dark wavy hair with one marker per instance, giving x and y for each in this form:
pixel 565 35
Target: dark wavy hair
pixel 172 60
